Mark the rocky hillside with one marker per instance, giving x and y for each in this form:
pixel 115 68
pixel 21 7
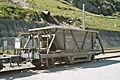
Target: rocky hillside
pixel 105 7
pixel 21 3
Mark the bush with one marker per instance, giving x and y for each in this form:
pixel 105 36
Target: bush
pixel 18 13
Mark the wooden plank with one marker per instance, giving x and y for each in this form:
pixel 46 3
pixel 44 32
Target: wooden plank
pixel 16 67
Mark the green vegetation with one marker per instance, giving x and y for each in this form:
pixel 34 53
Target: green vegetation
pixel 12 11
pixel 60 8
pixel 7 52
pixel 104 23
pixel 57 7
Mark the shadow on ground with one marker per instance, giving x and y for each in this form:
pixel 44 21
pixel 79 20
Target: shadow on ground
pixel 15 75
pixel 83 65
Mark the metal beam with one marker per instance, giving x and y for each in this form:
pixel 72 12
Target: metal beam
pixel 75 41
pixel 51 43
pixel 38 42
pixel 92 41
pixel 98 37
pixel 84 40
pixel 64 40
pixel 27 42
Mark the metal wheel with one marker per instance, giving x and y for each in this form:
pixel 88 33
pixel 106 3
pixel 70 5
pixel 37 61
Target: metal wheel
pixel 36 63
pixel 92 57
pixel 1 66
pixel 50 62
pixel 66 60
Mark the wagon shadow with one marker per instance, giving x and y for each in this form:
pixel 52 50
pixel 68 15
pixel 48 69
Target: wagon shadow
pixel 15 75
pixel 83 65
pixel 75 67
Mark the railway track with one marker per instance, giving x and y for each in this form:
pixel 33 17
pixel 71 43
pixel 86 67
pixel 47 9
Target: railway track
pixel 31 67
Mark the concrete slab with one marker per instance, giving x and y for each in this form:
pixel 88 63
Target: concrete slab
pixel 108 69
pixel 107 55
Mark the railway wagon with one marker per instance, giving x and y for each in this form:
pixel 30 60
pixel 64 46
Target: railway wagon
pixel 52 45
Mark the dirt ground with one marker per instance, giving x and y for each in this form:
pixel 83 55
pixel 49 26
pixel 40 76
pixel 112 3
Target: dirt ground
pixel 108 69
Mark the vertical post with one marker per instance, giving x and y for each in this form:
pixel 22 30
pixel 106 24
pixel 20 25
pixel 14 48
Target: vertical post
pixel 17 45
pixel 92 41
pixel 32 41
pixel 5 44
pixel 32 46
pixel 64 40
pixel 83 24
pixel 38 42
pixel 47 44
pixel 84 40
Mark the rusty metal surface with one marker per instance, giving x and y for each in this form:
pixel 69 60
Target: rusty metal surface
pixel 61 27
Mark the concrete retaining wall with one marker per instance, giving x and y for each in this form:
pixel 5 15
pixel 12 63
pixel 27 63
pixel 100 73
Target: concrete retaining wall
pixel 11 28
pixel 110 39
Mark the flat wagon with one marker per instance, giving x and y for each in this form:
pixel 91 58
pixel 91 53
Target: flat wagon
pixel 52 45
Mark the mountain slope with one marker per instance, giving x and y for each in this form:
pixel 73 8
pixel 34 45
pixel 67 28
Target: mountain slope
pixel 64 10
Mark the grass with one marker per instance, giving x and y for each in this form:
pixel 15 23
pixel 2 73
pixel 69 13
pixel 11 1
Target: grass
pixel 6 3
pixel 104 23
pixel 62 8
pixel 7 51
pixel 12 11
pixel 67 10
